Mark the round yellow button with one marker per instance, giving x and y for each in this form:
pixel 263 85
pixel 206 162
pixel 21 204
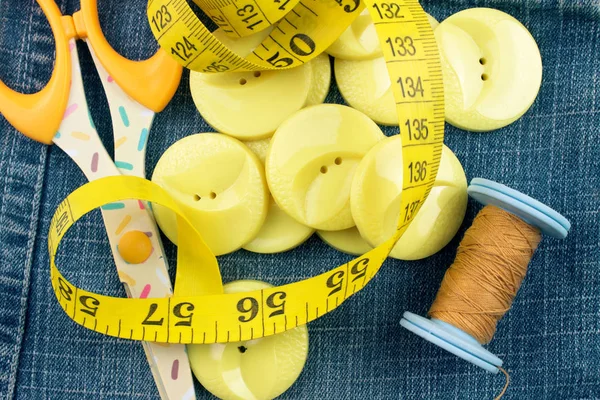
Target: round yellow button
pixel 376 195
pixel 365 85
pixel 258 369
pixel 358 42
pixel 320 65
pixel 492 68
pixel 347 241
pixel 249 105
pixel 220 186
pixel 135 247
pixel 312 160
pixel 279 233
pixel 433 22
pixel 321 79
pixel 259 147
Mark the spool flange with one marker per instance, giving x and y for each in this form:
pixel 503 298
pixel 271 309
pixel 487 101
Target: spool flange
pixel 529 210
pixel 533 212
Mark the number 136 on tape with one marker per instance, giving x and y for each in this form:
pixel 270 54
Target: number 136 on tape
pixel 199 311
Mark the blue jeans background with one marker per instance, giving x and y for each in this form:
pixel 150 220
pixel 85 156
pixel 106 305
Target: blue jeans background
pixel 549 341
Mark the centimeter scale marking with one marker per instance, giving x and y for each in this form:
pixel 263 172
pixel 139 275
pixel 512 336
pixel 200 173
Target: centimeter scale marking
pixel 412 59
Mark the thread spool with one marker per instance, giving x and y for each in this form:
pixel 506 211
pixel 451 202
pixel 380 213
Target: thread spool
pixel 462 342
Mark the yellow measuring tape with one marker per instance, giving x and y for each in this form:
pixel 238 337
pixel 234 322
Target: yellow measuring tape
pixel 305 28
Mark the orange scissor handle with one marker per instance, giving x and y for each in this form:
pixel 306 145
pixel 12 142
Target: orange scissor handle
pixel 39 115
pixel 151 82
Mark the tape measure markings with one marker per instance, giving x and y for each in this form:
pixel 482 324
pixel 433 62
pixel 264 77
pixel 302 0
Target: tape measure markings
pixel 177 35
pixel 245 16
pixel 410 52
pixel 254 314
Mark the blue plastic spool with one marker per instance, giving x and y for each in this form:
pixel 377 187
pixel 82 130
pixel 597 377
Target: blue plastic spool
pixel 529 210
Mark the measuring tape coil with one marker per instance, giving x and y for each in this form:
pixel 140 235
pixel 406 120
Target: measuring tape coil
pixel 209 316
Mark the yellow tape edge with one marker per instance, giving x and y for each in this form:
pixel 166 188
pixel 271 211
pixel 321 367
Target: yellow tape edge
pixel 209 318
pixel 215 317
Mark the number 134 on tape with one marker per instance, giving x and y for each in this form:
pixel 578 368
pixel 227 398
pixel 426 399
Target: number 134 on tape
pixel 199 311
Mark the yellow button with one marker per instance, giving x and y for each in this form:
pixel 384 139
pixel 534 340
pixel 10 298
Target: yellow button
pixel 433 22
pixel 321 79
pixel 320 65
pixel 220 186
pixel 259 147
pixel 358 42
pixel 365 85
pixel 312 160
pixel 250 105
pixel 135 247
pixel 257 369
pixel 279 233
pixel 492 68
pixel 347 241
pixel 376 193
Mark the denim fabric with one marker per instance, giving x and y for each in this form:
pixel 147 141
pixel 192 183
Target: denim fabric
pixel 549 341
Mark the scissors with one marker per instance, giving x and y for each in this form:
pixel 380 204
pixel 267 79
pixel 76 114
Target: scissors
pixel 58 114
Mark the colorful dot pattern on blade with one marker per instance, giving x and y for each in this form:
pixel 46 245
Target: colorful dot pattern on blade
pixel 124 165
pixel 123 224
pixel 124 116
pixel 77 136
pixel 145 292
pixel 119 142
pixel 175 370
pixel 143 139
pixel 80 136
pixel 94 165
pixel 70 110
pixel 113 206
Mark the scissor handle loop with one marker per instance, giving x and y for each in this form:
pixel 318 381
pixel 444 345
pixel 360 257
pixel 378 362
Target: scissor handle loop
pixel 150 82
pixel 39 115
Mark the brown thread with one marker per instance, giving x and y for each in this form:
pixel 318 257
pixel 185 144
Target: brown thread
pixel 491 262
pixel 505 385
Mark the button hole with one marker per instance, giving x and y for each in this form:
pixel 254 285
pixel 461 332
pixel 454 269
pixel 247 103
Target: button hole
pixel 257 74
pixel 323 169
pixel 484 77
pixel 242 349
pixel 197 198
pixel 213 195
pixel 482 61
pixel 242 81
pixel 338 161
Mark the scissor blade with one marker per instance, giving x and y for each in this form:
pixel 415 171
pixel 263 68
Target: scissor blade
pixel 78 137
pixel 131 123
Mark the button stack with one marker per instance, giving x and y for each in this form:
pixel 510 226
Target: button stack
pixel 362 76
pixel 285 165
